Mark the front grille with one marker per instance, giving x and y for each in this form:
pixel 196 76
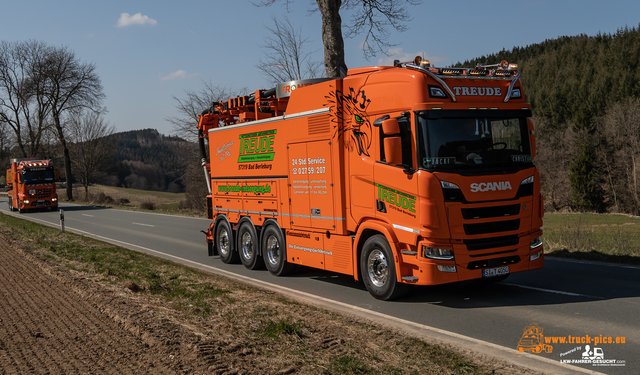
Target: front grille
pixel 487 212
pixel 492 227
pixel 42 193
pixel 493 262
pixel 493 242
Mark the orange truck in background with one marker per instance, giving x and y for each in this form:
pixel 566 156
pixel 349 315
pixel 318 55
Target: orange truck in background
pixel 31 184
pixel 397 175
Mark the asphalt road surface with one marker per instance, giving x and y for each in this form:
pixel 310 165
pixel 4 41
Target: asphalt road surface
pixel 582 303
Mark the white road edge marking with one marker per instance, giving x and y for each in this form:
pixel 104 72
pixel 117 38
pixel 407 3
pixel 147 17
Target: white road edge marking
pixel 144 225
pixel 553 291
pixel 87 215
pixel 526 360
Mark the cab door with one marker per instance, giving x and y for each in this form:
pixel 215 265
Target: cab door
pixel 396 187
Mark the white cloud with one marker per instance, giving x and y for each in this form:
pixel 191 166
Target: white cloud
pixel 399 54
pixel 137 19
pixel 178 74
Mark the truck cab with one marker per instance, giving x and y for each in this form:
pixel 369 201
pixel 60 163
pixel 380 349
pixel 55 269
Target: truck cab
pixel 31 185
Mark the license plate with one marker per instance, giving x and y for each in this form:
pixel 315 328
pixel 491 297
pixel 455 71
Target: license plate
pixel 492 272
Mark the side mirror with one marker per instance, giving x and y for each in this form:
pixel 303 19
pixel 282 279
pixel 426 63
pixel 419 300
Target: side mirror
pixel 392 142
pixel 57 175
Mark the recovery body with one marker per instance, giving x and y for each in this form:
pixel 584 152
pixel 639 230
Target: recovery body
pixel 396 175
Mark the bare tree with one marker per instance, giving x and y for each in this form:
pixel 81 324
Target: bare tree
pixel 285 55
pixel 192 105
pixel 90 146
pixel 24 106
pixel 619 153
pixel 70 87
pixel 371 17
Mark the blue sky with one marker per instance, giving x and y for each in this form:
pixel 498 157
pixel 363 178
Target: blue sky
pixel 147 51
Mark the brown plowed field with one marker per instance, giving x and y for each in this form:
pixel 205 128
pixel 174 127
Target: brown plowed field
pixel 48 328
pixel 55 319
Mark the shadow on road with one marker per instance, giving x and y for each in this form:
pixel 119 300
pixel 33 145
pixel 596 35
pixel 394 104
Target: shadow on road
pixel 558 284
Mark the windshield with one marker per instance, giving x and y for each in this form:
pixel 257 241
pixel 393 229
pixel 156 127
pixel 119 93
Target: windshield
pixel 473 142
pixel 38 177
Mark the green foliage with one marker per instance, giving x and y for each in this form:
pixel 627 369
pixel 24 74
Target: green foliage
pixel 572 83
pixel 574 78
pixel 587 194
pixel 147 160
pixel 348 365
pixel 281 327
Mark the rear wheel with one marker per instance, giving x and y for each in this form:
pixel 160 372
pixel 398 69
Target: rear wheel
pixel 248 246
pixel 224 243
pixel 274 251
pixel 378 269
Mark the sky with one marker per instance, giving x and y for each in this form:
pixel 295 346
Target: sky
pixel 147 52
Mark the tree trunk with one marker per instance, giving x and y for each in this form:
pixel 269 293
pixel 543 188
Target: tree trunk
pixel 67 169
pixel 332 37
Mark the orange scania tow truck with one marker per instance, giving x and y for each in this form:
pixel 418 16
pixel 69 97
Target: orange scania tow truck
pixel 397 175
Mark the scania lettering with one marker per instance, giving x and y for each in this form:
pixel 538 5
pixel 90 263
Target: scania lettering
pixel 490 186
pixel 396 175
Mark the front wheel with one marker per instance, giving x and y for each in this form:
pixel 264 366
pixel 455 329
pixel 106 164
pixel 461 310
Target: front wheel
pixel 274 251
pixel 378 269
pixel 224 243
pixel 248 247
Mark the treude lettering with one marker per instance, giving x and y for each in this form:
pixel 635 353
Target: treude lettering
pixel 477 91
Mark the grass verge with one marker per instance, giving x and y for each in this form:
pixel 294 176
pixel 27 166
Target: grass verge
pixel 598 237
pixel 261 326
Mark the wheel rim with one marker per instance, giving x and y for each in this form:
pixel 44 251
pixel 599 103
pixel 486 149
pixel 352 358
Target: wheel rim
pixel 273 250
pixel 377 268
pixel 223 242
pixel 247 246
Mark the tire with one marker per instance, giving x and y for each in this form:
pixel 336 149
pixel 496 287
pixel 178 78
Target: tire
pixel 20 210
pixel 378 270
pixel 492 280
pixel 274 251
pixel 248 246
pixel 10 203
pixel 224 243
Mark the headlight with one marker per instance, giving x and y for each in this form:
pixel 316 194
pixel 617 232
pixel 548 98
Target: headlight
pixel 535 243
pixel 26 201
pixel 528 180
pixel 436 253
pixel 54 199
pixel 449 185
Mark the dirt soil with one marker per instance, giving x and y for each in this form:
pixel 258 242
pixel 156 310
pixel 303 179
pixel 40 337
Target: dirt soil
pixel 54 320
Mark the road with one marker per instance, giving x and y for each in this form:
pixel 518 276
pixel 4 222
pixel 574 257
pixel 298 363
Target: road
pixel 571 300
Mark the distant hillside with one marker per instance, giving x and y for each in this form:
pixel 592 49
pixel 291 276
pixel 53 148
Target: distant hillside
pixel 576 78
pixel 146 159
pixel 585 94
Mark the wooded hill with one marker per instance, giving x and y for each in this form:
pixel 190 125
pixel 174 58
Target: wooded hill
pixel 585 94
pixel 145 159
